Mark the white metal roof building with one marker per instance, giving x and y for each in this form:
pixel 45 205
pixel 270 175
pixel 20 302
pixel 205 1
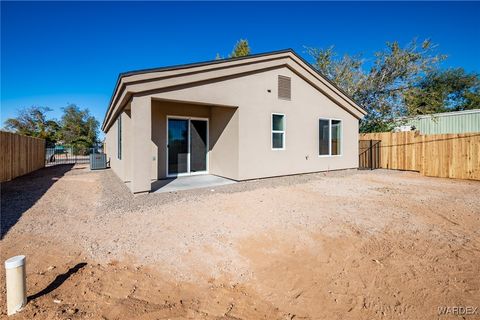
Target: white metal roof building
pixel 448 122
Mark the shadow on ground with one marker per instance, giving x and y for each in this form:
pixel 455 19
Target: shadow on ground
pixel 59 280
pixel 19 194
pixel 158 184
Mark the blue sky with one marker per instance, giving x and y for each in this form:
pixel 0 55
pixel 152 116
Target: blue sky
pixel 55 53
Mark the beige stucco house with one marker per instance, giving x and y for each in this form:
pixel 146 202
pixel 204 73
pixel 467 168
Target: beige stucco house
pixel 253 117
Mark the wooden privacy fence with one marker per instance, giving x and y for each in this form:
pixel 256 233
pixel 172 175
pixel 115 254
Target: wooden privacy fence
pixel 369 154
pixel 439 155
pixel 20 155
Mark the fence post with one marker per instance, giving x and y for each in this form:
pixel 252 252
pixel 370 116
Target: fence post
pixel 371 155
pixel 377 164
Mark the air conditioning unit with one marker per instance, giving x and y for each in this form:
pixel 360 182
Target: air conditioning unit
pixel 98 161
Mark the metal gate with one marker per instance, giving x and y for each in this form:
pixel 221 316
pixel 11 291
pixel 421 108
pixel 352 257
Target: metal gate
pixel 369 154
pixel 66 155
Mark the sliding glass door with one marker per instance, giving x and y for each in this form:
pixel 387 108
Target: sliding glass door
pixel 198 145
pixel 187 146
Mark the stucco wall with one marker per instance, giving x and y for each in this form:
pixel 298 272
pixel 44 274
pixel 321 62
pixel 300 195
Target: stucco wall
pixel 127 145
pixel 111 150
pixel 122 167
pixel 255 105
pixel 302 114
pixel 224 140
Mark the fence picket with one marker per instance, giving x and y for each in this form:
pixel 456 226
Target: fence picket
pixel 441 155
pixel 20 155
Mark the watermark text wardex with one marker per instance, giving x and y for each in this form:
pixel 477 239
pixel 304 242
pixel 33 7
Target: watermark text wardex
pixel 458 310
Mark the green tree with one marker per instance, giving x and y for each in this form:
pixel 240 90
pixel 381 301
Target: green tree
pixel 346 71
pixel 443 91
pixel 381 88
pixel 241 49
pixel 33 122
pixel 78 128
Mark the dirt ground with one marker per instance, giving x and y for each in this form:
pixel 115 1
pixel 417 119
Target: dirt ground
pixel 339 245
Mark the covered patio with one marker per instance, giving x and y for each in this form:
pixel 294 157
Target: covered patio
pixel 180 139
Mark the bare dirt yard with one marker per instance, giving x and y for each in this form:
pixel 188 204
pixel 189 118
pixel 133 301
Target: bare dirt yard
pixel 339 245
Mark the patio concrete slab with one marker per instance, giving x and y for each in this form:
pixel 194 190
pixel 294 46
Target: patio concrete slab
pixel 189 182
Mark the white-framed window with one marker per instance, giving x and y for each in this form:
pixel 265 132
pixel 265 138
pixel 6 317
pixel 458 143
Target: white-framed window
pixel 330 137
pixel 119 137
pixel 278 131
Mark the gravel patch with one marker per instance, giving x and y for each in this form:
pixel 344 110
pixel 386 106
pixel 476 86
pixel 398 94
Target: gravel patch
pixel 188 229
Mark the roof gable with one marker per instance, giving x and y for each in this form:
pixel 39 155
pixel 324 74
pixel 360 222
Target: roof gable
pixel 169 78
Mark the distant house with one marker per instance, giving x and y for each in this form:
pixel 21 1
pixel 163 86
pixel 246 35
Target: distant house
pixel 243 118
pixel 448 122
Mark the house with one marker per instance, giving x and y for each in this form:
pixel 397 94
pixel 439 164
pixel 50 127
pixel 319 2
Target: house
pixel 466 121
pixel 258 116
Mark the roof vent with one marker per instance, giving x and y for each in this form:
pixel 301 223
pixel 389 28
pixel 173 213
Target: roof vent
pixel 284 88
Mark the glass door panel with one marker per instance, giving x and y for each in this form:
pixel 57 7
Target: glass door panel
pixel 177 146
pixel 198 145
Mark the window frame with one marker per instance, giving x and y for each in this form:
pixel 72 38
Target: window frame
pixel 284 131
pixel 119 137
pixel 330 138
